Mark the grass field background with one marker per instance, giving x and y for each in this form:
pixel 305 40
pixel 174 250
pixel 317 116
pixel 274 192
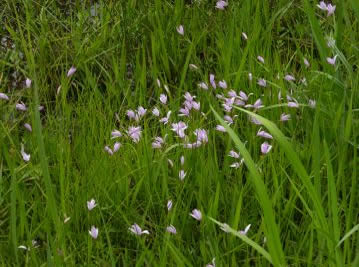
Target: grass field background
pixel 301 198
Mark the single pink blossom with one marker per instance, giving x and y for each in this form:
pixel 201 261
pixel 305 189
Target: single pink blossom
pixel 71 71
pixel 4 96
pixel 171 229
pixel 136 229
pixel 196 214
pixel 265 148
pixel 180 29
pixel 93 232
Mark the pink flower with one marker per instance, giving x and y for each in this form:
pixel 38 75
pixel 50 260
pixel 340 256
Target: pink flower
pixel 136 229
pixel 93 232
pixel 265 148
pixel 108 150
pixel 158 142
pixel 196 214
pixel 182 174
pixel 141 111
pixel 71 71
pixel 166 119
pixel 330 9
pixel 201 135
pixel 260 59
pixel 91 204
pixel 169 205
pixel 131 114
pixel 220 128
pixel 171 229
pixel 221 4
pixel 306 62
pixel 222 84
pixel 228 119
pixel 234 154
pixel 21 106
pixel 28 83
pixel 236 165
pixel 116 147
pixel 284 117
pixel 289 78
pixel 264 134
pixel 180 29
pixel 322 5
pixel 212 81
pixel 25 157
pixel 332 60
pixel 156 112
pixel 254 120
pixel 116 134
pixel 212 264
pixel 4 96
pixel 203 86
pixel 134 133
pixel 163 99
pixel 28 127
pixel 262 82
pixel 179 128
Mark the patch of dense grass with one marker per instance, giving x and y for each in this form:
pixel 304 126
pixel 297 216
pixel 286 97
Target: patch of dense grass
pixel 300 197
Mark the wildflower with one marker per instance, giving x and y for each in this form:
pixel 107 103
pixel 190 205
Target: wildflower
pixel 155 112
pixel 265 148
pixel 293 104
pixel 306 62
pixel 182 174
pixel 212 264
pixel 254 120
pixel 171 229
pixel 244 35
pixel 28 83
pixel 165 119
pixel 250 76
pixel 331 61
pixel 163 99
pixel 116 134
pixel 4 96
pixel 330 9
pixel 21 106
pixel 71 71
pixel 201 135
pixel 234 154
pixel 169 205
pixel 322 5
pixel 228 119
pixel 25 157
pixel 182 160
pixel 221 4
pixel 180 29
pixel 179 128
pixel 136 229
pixel 196 214
pixel 158 142
pixel 131 114
pixel 203 86
pixel 262 82
pixel 264 134
pixel 108 150
pixel 256 105
pixel 243 96
pixel 116 147
pixel 260 59
pixel 312 103
pixel 134 133
pixel 220 128
pixel 193 67
pixel 245 231
pixel 284 117
pixel 28 127
pixel 91 204
pixel 184 112
pixel 196 105
pixel 93 232
pixel 222 84
pixel 289 78
pixel 236 165
pixel 141 111
pixel 212 81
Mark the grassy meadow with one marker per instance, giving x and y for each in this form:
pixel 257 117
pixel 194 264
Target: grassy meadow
pixel 179 133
